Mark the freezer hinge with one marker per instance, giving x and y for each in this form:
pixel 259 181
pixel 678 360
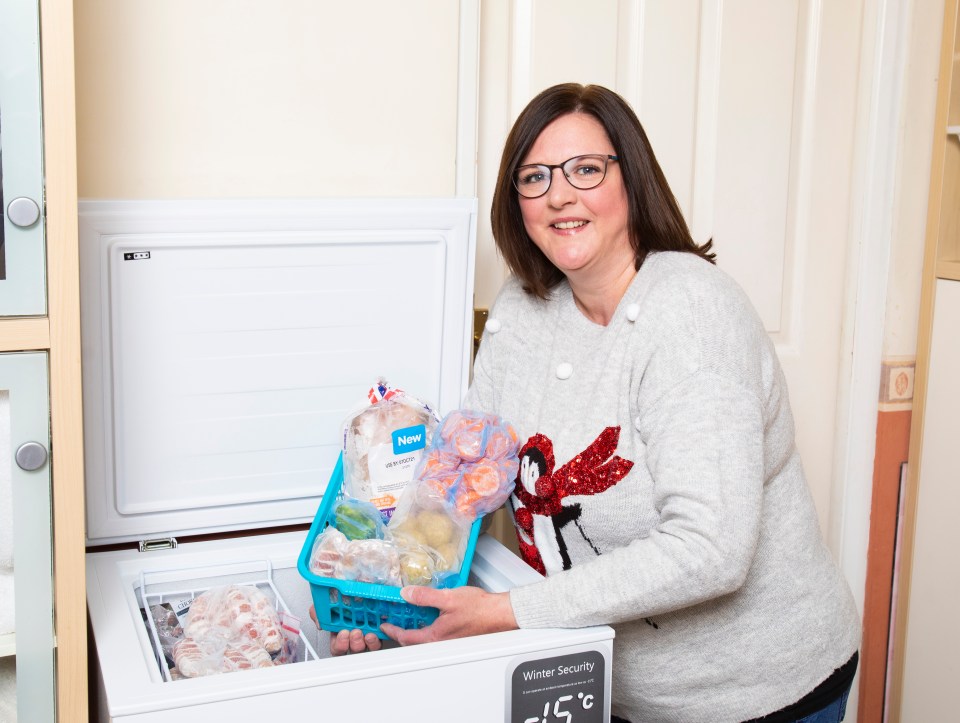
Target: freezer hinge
pixel 479 319
pixel 160 543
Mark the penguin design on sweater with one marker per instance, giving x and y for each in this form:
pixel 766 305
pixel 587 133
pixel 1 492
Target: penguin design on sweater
pixel 539 493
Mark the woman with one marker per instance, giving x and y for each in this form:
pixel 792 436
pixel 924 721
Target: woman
pixel 660 489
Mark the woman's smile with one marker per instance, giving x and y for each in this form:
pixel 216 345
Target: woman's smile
pixel 568 225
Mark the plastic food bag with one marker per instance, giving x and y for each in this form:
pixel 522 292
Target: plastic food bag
pixel 357 519
pixel 432 543
pixel 327 550
pixel 382 444
pixel 168 629
pixel 468 471
pixel 373 560
pixel 471 465
pixel 233 627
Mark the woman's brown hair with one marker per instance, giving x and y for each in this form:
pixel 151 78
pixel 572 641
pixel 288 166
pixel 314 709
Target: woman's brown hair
pixel 654 217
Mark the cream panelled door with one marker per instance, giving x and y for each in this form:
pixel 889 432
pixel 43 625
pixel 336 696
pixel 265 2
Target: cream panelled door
pixel 751 107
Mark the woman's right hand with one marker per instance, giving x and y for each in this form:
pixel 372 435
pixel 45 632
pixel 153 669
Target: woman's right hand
pixel 349 641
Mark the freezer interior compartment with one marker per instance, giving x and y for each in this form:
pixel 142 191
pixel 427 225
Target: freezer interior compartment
pixel 131 687
pixel 165 599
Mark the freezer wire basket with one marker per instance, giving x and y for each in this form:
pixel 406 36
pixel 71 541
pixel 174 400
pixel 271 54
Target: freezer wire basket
pixel 349 605
pixel 262 579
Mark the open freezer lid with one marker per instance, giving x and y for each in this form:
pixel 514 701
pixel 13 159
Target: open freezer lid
pixel 225 342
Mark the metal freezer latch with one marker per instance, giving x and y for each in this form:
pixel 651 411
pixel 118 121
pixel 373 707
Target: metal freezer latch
pixel 159 543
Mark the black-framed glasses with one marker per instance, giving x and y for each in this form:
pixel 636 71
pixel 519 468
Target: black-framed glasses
pixel 583 172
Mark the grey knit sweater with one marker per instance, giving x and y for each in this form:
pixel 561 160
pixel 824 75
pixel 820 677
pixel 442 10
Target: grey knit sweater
pixel 663 494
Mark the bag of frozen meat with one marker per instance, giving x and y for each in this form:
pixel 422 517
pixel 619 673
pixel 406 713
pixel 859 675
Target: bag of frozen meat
pixel 382 444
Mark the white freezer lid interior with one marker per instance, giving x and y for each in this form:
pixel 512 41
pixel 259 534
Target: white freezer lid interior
pixel 225 342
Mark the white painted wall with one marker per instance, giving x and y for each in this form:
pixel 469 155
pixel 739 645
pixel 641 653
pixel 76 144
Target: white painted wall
pixel 238 98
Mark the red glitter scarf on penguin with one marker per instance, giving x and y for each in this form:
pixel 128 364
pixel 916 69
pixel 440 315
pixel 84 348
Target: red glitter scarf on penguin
pixel 591 472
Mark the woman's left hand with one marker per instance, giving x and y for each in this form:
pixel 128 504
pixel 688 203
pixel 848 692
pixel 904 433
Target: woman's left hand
pixel 464 611
pixel 348 641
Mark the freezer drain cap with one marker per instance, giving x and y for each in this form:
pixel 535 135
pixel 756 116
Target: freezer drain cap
pixel 159 543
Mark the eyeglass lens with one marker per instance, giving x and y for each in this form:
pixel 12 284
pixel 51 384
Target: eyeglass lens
pixel 583 172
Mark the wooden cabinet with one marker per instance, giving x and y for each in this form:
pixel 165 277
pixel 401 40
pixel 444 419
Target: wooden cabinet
pixel 40 342
pixel 944 219
pixel 925 664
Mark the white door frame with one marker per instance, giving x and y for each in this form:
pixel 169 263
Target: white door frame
pixel 885 43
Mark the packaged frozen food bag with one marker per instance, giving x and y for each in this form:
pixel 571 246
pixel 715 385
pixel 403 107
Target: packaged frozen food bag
pixel 235 612
pixel 470 466
pixel 227 628
pixel 382 445
pixel 168 628
pixel 357 519
pixel 376 561
pixel 327 550
pixel 468 471
pixel 464 433
pixel 417 566
pixel 290 651
pixel 484 487
pixel 431 542
pixel 436 476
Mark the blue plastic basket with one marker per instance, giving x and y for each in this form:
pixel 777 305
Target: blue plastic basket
pixel 345 604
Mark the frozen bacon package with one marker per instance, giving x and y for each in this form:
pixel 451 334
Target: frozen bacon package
pixel 382 444
pixel 467 472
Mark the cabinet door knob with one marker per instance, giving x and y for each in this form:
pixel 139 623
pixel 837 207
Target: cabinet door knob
pixel 23 212
pixel 31 456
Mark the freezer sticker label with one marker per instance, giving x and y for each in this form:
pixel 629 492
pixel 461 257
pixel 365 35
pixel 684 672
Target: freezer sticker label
pixel 570 688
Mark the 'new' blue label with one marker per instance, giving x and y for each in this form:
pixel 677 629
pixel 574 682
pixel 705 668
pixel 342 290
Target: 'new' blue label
pixel 409 439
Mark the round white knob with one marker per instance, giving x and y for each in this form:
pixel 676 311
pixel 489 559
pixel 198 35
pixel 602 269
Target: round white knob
pixel 633 311
pixel 492 325
pixel 564 370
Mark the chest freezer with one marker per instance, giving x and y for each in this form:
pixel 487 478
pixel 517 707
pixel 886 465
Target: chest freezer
pixel 223 345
